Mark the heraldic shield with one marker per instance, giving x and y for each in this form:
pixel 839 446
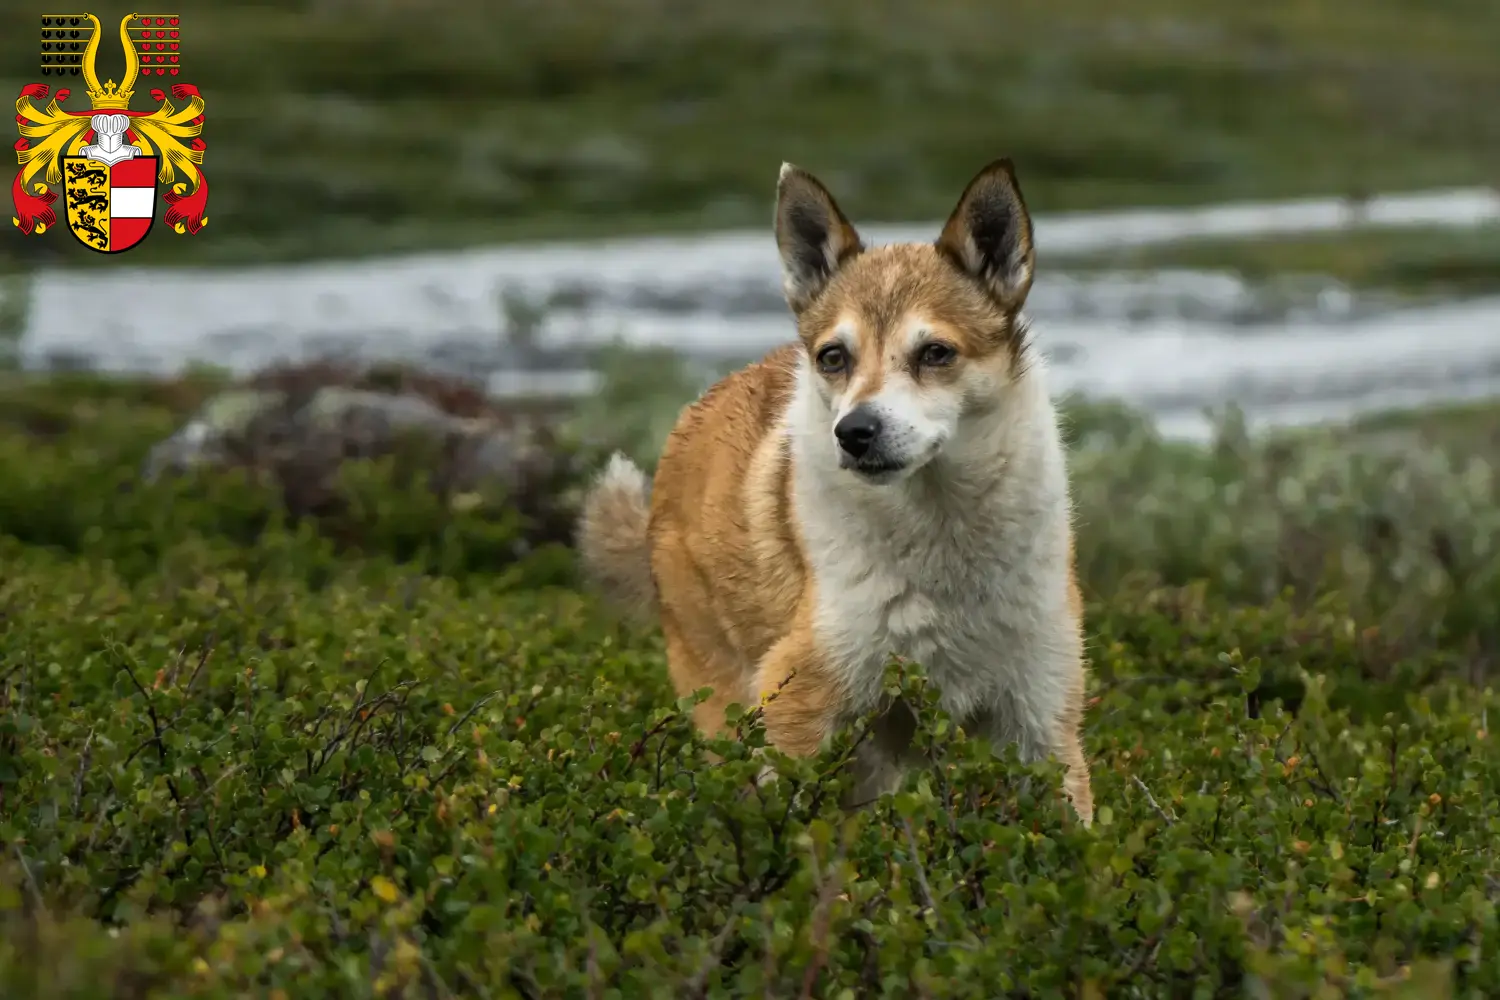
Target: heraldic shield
pixel 111 206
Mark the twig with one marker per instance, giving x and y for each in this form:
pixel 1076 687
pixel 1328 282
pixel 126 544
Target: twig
pixel 911 838
pixel 208 650
pixel 470 713
pixel 147 743
pixel 639 746
pixel 156 729
pixel 472 981
pixel 83 768
pixel 7 675
pixel 592 967
pixel 171 678
pixel 1148 950
pixel 1323 786
pixel 1121 682
pixel 36 892
pixel 820 920
pixel 434 978
pixel 1152 799
pixel 698 985
pixel 1416 834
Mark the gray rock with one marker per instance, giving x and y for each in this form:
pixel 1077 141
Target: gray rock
pixel 304 436
pixel 201 441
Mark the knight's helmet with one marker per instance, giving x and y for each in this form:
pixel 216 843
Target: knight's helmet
pixel 109 131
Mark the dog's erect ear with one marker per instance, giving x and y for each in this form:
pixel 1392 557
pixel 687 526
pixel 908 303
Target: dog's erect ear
pixel 989 235
pixel 813 236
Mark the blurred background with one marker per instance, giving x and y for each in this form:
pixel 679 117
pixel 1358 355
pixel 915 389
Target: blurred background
pixel 1290 206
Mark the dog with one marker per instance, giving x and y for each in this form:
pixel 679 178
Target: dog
pixel 894 482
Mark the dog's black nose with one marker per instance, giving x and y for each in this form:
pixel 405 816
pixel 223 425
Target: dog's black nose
pixel 857 431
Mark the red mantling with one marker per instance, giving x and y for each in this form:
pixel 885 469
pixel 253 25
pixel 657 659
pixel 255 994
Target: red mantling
pixel 188 208
pixel 32 208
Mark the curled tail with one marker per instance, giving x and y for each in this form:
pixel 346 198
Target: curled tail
pixel 612 538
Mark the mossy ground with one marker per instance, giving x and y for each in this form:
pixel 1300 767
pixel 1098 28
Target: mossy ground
pixel 241 756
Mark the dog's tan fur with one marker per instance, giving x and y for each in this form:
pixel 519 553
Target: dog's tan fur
pixel 774 567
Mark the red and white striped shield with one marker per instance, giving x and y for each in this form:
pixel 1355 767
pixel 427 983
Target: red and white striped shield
pixel 110 206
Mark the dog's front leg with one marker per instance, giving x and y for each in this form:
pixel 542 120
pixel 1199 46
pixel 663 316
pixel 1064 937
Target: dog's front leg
pixel 1038 734
pixel 798 694
pixel 1068 746
pixel 1063 737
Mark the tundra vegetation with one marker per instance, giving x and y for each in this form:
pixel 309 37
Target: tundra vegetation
pixel 369 739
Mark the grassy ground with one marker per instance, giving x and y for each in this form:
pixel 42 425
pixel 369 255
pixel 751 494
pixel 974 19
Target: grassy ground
pixel 337 127
pixel 1418 263
pixel 1452 423
pixel 373 754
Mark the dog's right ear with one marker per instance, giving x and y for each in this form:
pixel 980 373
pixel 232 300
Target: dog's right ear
pixel 813 236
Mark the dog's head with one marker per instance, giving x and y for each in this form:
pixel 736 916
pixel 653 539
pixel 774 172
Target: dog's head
pixel 908 343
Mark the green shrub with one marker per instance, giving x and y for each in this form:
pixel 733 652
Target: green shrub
pixel 87 441
pixel 1408 535
pixel 385 784
pixel 241 756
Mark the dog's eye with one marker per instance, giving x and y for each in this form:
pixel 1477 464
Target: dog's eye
pixel 936 354
pixel 831 359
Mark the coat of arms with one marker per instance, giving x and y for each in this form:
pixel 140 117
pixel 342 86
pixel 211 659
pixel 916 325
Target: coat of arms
pixel 110 160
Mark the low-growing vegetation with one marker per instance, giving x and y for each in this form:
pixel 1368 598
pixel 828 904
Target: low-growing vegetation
pixel 1410 263
pixel 376 748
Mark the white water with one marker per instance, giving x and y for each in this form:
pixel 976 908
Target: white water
pixel 1174 342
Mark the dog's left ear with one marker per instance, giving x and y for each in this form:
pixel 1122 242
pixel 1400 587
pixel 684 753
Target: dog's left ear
pixel 989 235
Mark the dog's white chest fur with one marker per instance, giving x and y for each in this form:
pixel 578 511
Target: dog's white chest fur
pixel 962 568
